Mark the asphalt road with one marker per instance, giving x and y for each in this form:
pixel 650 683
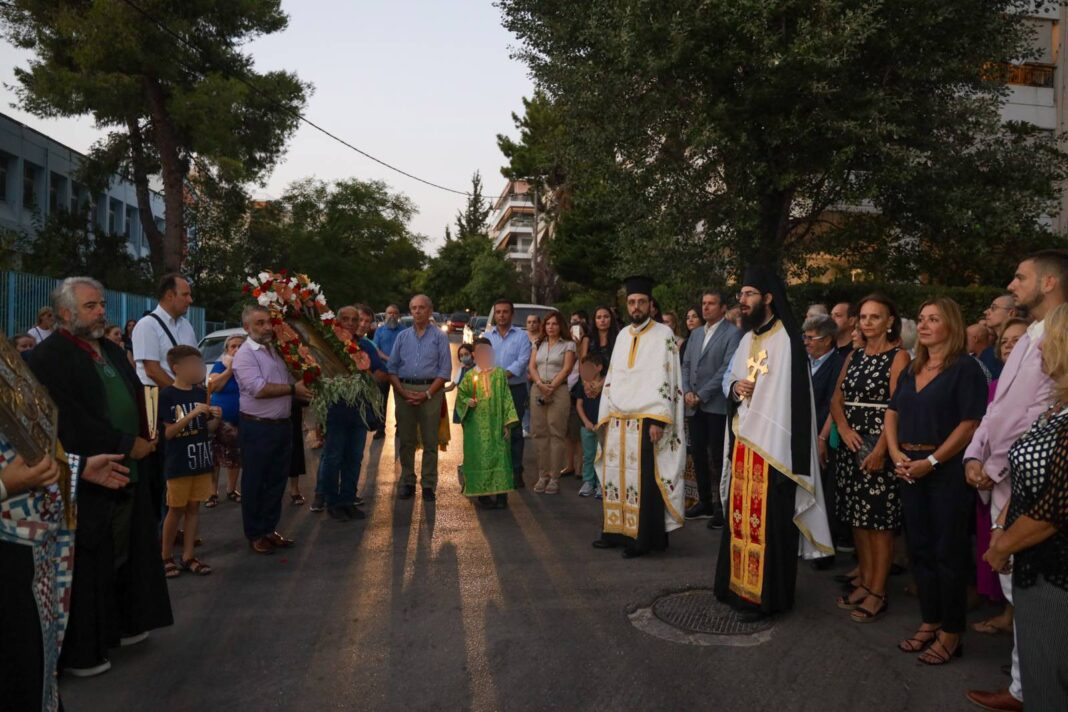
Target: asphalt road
pixel 445 607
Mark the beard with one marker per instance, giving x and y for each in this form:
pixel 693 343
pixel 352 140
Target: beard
pixel 638 317
pixel 92 330
pixel 392 321
pixel 757 316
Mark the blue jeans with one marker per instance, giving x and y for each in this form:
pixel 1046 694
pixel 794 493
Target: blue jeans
pixel 266 449
pixel 339 464
pixel 589 454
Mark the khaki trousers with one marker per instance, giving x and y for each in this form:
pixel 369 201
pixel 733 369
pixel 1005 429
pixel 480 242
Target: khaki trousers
pixel 549 425
pixel 415 424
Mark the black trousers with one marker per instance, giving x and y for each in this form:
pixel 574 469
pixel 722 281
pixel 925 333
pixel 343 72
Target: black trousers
pixel 936 511
pixel 266 451
pixel 21 651
pixel 706 439
pixel 519 397
pixel 652 535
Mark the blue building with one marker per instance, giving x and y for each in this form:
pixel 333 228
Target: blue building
pixel 37 179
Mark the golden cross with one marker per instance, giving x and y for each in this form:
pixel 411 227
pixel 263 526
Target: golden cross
pixel 758 365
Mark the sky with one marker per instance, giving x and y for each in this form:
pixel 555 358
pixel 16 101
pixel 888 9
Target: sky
pixel 425 85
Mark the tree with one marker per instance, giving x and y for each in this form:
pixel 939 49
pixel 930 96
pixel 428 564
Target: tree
pixel 171 101
pixel 472 219
pixel 69 243
pixel 729 129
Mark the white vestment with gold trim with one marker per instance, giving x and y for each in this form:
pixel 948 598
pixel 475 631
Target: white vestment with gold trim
pixel 643 383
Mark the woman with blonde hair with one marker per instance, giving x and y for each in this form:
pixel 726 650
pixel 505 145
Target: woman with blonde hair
pixel 551 361
pixel 1030 538
pixel 936 408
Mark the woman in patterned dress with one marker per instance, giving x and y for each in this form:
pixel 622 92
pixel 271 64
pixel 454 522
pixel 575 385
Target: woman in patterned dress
pixel 867 492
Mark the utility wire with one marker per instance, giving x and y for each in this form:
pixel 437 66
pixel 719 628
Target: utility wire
pixel 244 80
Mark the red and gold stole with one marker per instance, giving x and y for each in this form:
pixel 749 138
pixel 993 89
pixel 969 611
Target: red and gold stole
pixel 748 504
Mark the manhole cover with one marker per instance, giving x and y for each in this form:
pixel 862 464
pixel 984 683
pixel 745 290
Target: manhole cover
pixel 700 612
pixel 695 617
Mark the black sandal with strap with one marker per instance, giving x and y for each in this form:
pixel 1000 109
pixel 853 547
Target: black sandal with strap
pixel 171 569
pixel 196 566
pixel 861 614
pixel 845 604
pixel 916 645
pixel 234 496
pixel 943 657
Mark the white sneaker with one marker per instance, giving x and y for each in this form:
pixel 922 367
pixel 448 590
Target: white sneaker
pixel 133 639
pixel 586 490
pixel 526 433
pixel 90 671
pixel 597 494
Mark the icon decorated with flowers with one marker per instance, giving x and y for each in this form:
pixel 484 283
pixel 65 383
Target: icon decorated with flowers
pixel 317 350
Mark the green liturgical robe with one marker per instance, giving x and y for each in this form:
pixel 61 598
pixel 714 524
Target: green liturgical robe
pixel 487 442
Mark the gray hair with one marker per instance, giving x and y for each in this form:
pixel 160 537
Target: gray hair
pixel 63 295
pixel 908 334
pixel 251 309
pixel 818 308
pixel 822 324
pixel 429 301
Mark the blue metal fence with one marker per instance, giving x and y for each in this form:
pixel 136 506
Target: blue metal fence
pixel 21 295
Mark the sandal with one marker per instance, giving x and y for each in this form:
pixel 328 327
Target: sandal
pixel 296 499
pixel 941 656
pixel 213 502
pixel 553 487
pixel 862 615
pixel 543 482
pixel 846 603
pixel 171 569
pixel 234 496
pixel 196 566
pixel 916 644
pixel 988 627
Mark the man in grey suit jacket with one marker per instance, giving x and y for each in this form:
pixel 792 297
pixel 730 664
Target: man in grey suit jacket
pixel 708 352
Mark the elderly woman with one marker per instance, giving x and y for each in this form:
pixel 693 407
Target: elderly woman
pixel 1030 537
pixel 935 410
pixel 224 394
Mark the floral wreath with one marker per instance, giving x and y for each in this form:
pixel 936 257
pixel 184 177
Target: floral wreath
pixel 297 297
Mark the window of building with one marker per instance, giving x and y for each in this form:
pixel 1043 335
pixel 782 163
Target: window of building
pixel 112 218
pixel 29 185
pixel 4 161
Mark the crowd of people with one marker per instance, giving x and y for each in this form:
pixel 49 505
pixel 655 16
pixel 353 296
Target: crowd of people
pixel 929 445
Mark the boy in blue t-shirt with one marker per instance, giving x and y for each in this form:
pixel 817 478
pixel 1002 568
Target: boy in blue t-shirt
pixel 587 395
pixel 188 423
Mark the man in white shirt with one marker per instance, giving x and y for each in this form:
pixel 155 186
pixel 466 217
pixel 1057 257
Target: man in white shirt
pixel 161 330
pixel 45 321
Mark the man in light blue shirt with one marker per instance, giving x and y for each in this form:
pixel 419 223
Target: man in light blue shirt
pixel 511 351
pixel 385 337
pixel 419 366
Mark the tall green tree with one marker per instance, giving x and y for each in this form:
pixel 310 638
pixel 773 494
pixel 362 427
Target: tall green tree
pixel 472 220
pixel 170 102
pixel 730 129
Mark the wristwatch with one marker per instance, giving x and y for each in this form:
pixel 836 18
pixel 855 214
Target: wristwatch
pixel 933 460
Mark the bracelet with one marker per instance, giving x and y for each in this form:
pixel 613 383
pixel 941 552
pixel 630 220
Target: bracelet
pixel 823 438
pixel 997 527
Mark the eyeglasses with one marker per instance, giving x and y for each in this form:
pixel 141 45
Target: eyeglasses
pixel 806 338
pixel 747 294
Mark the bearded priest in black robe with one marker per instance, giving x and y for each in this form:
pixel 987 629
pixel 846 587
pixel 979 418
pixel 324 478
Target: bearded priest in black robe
pixel 771 489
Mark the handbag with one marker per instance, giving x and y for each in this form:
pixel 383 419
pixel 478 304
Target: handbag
pixel 870 441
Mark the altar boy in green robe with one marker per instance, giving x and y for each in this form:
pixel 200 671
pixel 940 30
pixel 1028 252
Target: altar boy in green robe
pixel 485 408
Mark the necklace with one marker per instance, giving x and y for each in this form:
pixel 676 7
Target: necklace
pixel 932 367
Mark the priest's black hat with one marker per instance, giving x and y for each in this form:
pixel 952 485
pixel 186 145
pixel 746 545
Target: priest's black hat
pixel 761 278
pixel 638 285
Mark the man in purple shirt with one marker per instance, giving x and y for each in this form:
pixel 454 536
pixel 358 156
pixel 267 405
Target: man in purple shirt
pixel 1023 393
pixel 266 391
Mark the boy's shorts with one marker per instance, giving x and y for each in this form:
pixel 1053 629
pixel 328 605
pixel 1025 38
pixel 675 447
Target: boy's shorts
pixel 183 490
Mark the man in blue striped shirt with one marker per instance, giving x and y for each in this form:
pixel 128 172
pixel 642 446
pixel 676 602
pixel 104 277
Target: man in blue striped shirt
pixel 511 349
pixel 419 366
